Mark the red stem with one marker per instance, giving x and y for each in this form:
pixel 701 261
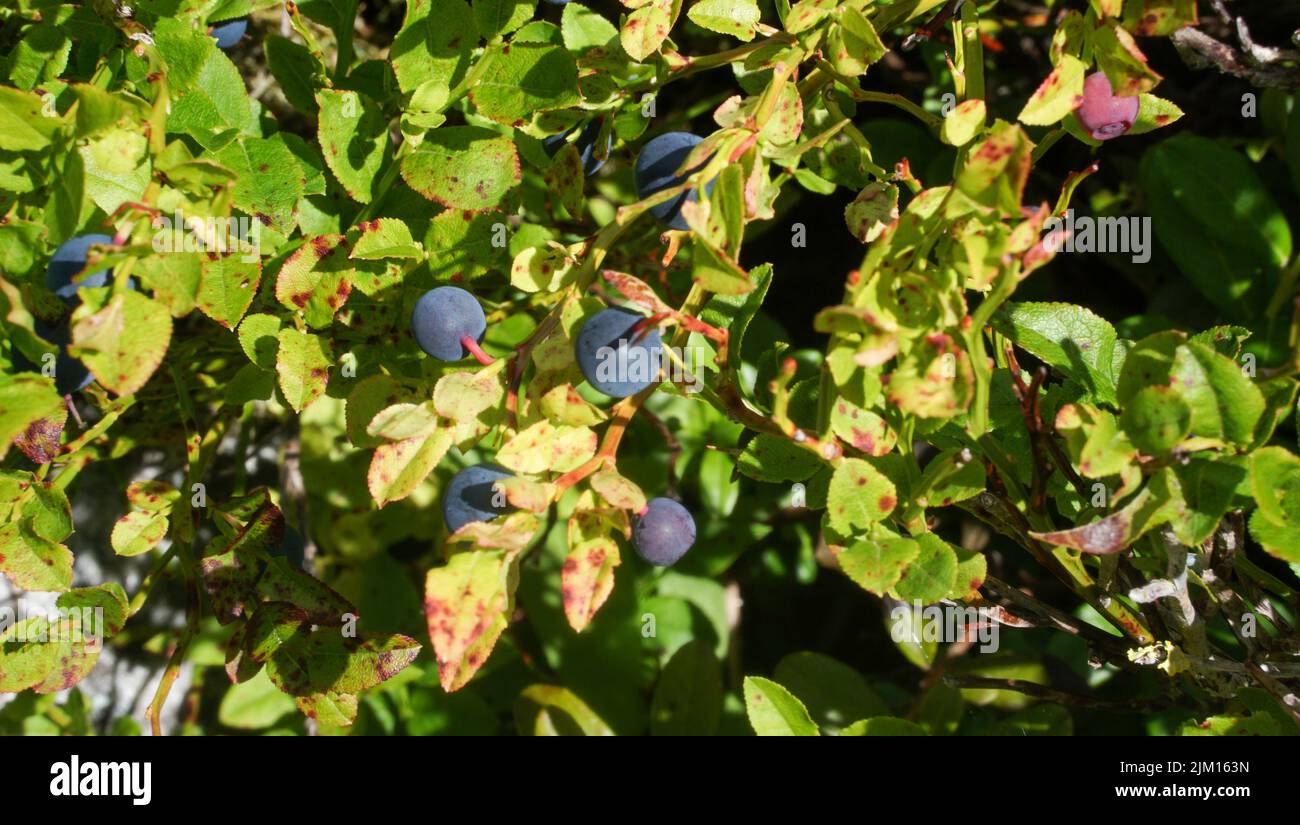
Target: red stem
pixel 477 351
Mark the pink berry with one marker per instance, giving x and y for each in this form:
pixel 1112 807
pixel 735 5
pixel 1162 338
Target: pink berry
pixel 1103 114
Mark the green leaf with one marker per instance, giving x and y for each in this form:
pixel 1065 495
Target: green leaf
pixel 734 17
pixel 117 167
pixel 878 564
pixel 385 238
pixel 547 710
pixel 995 173
pixel 859 496
pixel 872 211
pixel 498 17
pixel 545 447
pixel 834 693
pixel 434 43
pixel 268 180
pixel 1156 419
pixel 1070 339
pixel 521 79
pixel 23 124
pixel 254 704
pixel 1223 230
pixel 688 697
pixel 124 342
pixel 463 167
pixel 353 135
pixel 1151 507
pixel 884 726
pixel 933 575
pixel 259 338
pixel 773 711
pixel 227 287
pixel 773 458
pixel 302 363
pixel 31 561
pixel 138 532
pixel 584 29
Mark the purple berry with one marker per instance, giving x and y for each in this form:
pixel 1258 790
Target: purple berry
pixel 1103 114
pixel 614 357
pixel 228 32
pixel 68 260
pixel 448 323
pixel 471 497
pixel 656 170
pixel 663 532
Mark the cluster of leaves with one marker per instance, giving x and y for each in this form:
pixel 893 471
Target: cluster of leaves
pixel 423 164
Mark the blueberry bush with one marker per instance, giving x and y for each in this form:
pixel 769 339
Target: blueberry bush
pixel 875 367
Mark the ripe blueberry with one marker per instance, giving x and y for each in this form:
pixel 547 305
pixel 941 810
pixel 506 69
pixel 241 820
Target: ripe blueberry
pixel 448 324
pixel 663 532
pixel 656 170
pixel 586 143
pixel 1102 114
pixel 68 260
pixel 228 32
pixel 616 354
pixel 291 548
pixel 470 496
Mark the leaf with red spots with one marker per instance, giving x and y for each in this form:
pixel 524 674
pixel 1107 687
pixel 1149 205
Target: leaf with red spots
pixel 402 421
pixel 805 14
pixel 316 279
pixel 398 468
pixel 1117 54
pixel 1058 95
pixel 964 122
pixel 26 656
pixel 1153 506
pixel 545 447
pixel 283 582
pixel 541 268
pixel 40 441
pixel 776 459
pixel 302 364
pixel 859 496
pixel 512 533
pixel 586 579
pixel 997 169
pixel 152 495
pixel 32 562
pixel 872 211
pixel 385 238
pixel 138 532
pixel 227 287
pixel 645 29
pixel 463 245
pixel 526 494
pixel 466 604
pixel 562 404
pixel 618 490
pixel 108 599
pixel 463 167
pixel 462 395
pixel 124 342
pixel 934 380
pixel 854 44
pixel 76 650
pixel 1158 18
pixel 878 564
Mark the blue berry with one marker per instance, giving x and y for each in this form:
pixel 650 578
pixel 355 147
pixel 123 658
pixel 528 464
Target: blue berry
pixel 291 548
pixel 663 532
pixel 611 359
pixel 586 146
pixel 68 260
pixel 228 32
pixel 656 170
pixel 443 317
pixel 470 497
